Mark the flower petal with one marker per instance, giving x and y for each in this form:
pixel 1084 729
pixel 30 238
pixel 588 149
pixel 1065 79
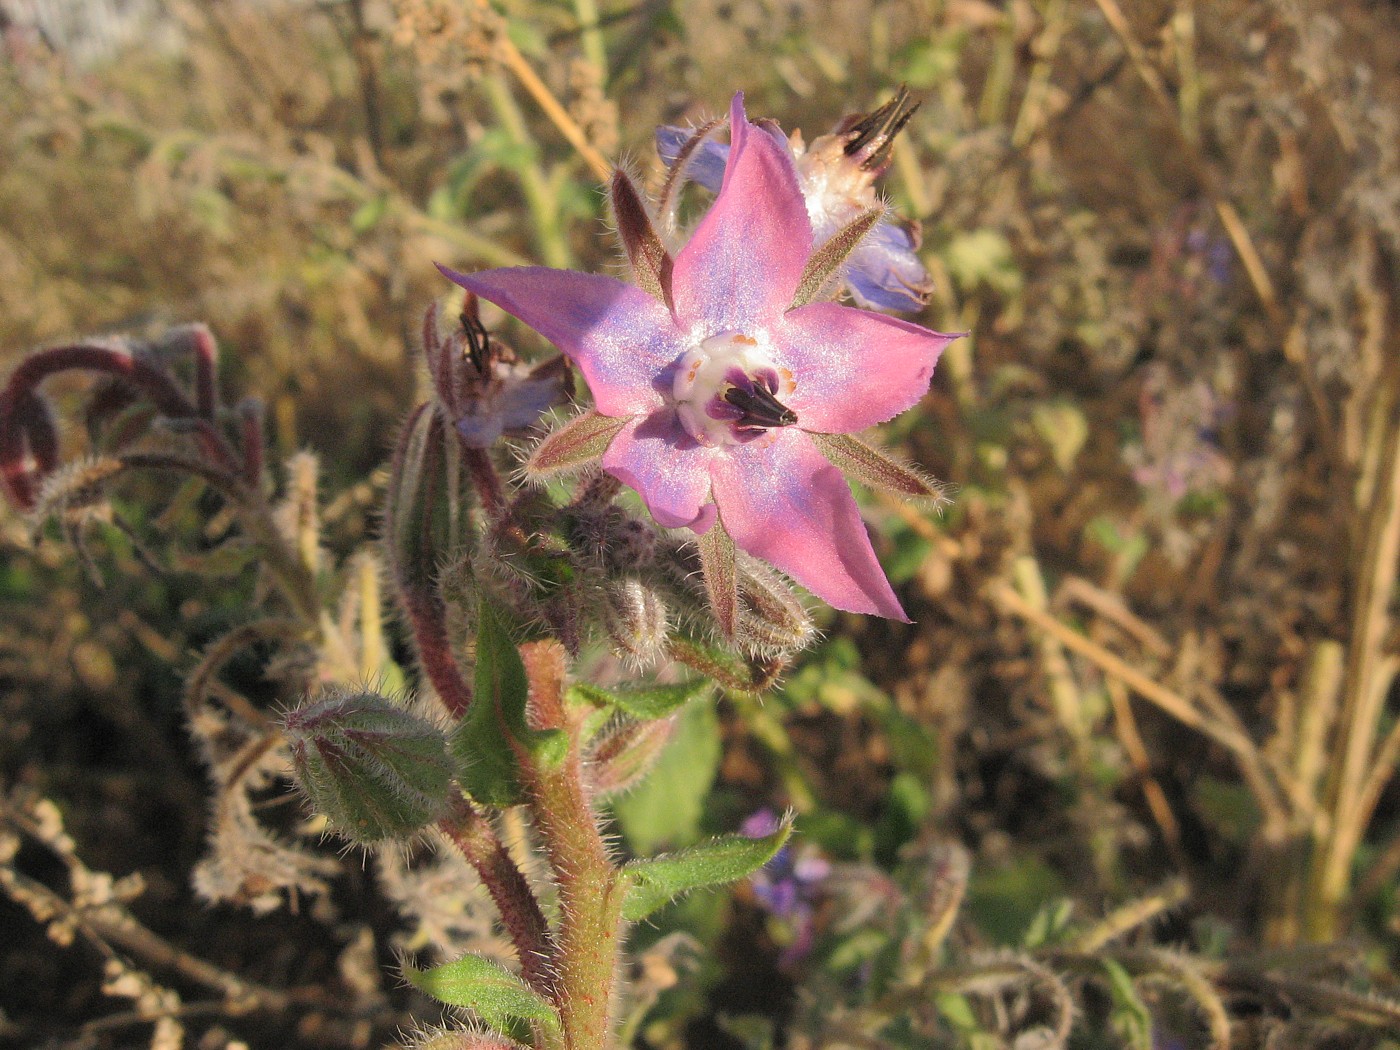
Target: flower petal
pixel 740 268
pixel 620 337
pixel 655 456
pixel 706 166
pixel 783 502
pixel 885 274
pixel 853 368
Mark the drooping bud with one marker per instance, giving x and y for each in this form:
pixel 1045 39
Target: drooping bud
pixel 374 770
pixel 771 617
pixel 425 528
pixel 481 386
pixel 625 753
pixel 636 620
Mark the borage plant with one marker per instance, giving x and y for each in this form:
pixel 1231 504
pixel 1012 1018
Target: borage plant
pixel 727 386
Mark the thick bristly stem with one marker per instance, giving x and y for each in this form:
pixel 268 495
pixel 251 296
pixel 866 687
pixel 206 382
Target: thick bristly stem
pixel 590 897
pixel 520 913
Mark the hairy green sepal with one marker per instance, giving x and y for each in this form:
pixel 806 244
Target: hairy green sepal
pixel 875 467
pixel 578 443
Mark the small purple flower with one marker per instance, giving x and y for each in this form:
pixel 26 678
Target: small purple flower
pixel 837 174
pixel 788 886
pixel 718 381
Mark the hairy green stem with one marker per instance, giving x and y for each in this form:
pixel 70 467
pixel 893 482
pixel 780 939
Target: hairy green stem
pixel 589 936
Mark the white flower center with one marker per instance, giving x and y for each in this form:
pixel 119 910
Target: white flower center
pixel 726 391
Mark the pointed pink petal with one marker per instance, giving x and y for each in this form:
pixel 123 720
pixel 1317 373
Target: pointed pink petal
pixel 740 268
pixel 620 337
pixel 853 368
pixel 783 502
pixel 655 456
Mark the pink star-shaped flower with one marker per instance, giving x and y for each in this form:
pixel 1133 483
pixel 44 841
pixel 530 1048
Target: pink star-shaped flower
pixel 720 379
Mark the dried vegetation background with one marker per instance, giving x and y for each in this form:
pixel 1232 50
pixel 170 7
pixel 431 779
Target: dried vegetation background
pixel 1155 650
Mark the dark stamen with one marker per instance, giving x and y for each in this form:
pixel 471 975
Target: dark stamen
pixel 759 407
pixel 478 339
pixel 880 128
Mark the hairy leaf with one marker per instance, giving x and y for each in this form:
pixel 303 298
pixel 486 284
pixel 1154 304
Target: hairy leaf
pixel 655 882
pixel 654 701
pixel 495 994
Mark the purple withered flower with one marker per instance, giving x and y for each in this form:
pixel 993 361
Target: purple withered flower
pixel 721 387
pixel 837 174
pixel 483 388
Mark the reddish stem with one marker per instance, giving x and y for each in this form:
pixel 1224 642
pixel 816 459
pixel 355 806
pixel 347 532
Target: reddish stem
pixel 157 384
pixel 520 911
pixel 486 480
pixel 250 419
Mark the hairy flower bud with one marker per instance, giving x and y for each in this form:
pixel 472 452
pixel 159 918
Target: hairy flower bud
pixel 374 770
pixel 636 620
pixel 625 753
pixel 771 617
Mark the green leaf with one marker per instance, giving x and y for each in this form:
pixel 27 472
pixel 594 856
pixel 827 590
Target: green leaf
pixel 1131 1020
pixel 983 257
pixel 656 882
pixel 1049 923
pixel 495 994
pixel 1064 428
pixel 656 701
pixel 368 214
pixel 489 770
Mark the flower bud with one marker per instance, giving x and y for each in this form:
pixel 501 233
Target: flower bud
pixel 771 617
pixel 425 514
pixel 371 768
pixel 635 618
pixel 624 754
